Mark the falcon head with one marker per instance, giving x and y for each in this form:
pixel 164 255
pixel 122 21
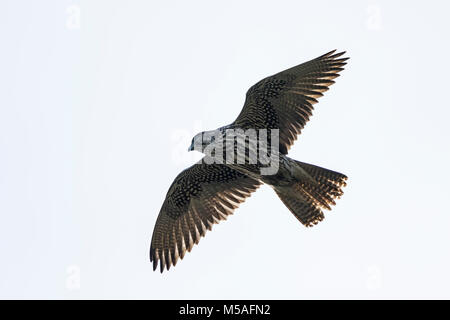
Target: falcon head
pixel 203 139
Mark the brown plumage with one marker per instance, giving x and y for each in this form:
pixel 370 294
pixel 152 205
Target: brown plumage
pixel 204 194
pixel 200 196
pixel 285 100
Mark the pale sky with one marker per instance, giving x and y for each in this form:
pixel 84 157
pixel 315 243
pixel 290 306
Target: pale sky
pixel 100 100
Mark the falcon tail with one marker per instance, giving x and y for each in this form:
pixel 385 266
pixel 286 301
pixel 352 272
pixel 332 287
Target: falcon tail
pixel 317 189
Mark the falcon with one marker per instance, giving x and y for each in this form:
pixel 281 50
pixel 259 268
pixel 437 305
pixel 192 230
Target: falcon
pixel 209 192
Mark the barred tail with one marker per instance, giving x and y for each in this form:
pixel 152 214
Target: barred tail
pixel 307 197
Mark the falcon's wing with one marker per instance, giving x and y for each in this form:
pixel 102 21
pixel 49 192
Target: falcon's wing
pixel 285 100
pixel 200 196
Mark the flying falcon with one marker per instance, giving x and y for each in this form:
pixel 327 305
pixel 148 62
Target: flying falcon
pixel 207 193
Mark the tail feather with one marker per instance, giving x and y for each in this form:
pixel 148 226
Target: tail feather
pixel 324 176
pixel 307 197
pixel 302 207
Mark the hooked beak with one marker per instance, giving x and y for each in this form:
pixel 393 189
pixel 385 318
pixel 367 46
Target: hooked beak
pixel 191 147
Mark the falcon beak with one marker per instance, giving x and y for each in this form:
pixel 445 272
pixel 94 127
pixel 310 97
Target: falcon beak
pixel 191 147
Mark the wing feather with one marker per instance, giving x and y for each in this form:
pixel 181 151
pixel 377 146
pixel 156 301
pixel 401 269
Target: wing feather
pixel 200 196
pixel 285 100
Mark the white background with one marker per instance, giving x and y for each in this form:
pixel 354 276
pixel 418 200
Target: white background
pixel 100 99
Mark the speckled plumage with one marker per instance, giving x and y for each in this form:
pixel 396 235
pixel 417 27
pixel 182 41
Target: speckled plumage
pixel 206 194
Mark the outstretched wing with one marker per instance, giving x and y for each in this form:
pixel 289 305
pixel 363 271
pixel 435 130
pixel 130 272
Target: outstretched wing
pixel 285 100
pixel 200 196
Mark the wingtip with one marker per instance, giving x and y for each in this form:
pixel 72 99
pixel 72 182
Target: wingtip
pixel 162 264
pixel 337 55
pixel 333 55
pixel 153 259
pixel 327 54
